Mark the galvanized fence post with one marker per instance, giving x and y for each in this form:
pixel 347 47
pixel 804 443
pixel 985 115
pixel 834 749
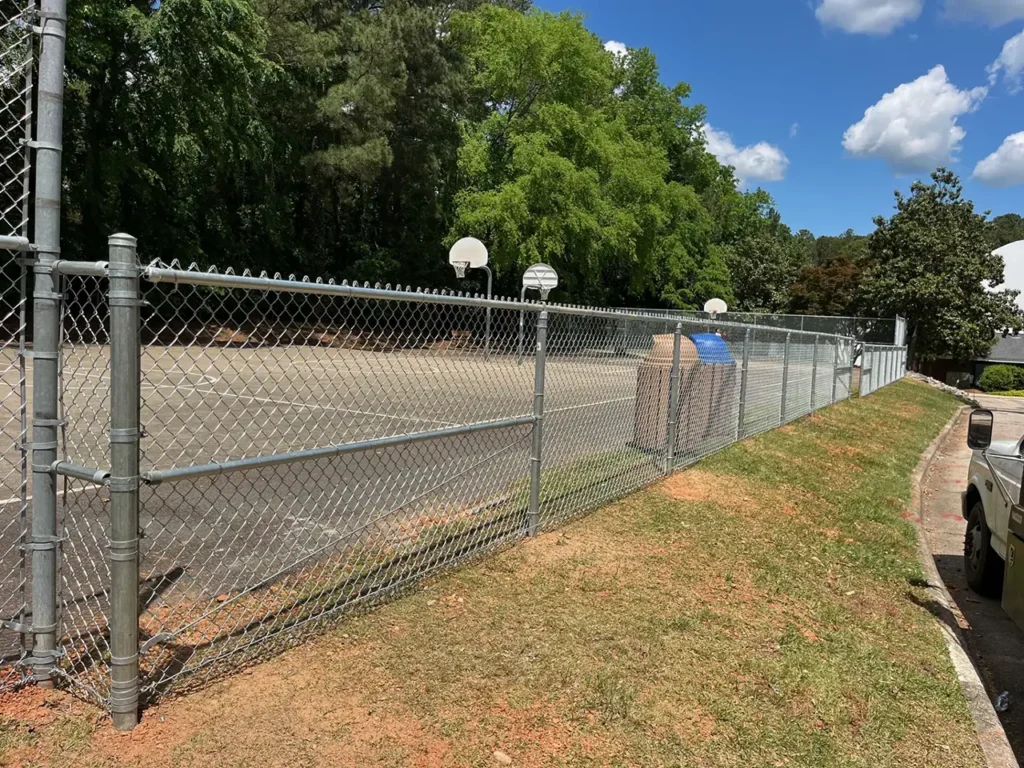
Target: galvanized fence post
pixel 785 380
pixel 814 374
pixel 835 368
pixel 673 401
pixel 124 481
pixel 45 336
pixel 743 385
pixel 533 523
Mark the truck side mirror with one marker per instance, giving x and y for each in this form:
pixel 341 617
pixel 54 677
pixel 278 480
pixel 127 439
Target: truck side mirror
pixel 979 430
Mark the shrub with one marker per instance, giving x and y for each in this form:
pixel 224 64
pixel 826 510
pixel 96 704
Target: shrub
pixel 1001 378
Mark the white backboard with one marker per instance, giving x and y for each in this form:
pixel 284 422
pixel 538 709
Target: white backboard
pixel 469 251
pixel 541 277
pixel 1013 274
pixel 716 307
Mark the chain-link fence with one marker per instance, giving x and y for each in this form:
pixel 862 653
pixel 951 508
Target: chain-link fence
pixel 881 365
pixel 865 329
pixel 243 459
pixel 16 65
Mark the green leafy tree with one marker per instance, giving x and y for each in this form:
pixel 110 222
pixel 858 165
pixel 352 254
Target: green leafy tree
pixel 931 262
pixel 1008 228
pixel 565 168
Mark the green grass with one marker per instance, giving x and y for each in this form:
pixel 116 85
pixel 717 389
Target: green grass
pixel 1009 393
pixel 758 609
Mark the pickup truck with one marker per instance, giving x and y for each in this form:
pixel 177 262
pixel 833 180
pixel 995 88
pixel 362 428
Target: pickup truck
pixel 995 518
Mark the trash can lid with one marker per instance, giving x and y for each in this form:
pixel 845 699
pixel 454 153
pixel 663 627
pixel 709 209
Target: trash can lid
pixel 712 349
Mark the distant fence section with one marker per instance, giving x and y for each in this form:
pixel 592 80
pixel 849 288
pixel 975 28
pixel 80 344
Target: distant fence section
pixel 881 365
pixel 242 459
pixel 877 330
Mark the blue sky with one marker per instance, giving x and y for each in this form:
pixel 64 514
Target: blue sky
pixel 787 84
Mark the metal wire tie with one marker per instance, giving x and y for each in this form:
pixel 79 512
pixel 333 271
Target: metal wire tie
pixel 125 435
pixel 41 145
pixel 14 626
pixel 33 355
pixel 123 551
pixel 42 544
pixel 47 628
pixel 50 422
pixel 48 296
pixel 157 639
pixel 123 484
pixel 43 445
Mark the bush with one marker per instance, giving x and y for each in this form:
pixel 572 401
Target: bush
pixel 1001 378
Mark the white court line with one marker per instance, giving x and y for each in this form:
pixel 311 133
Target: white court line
pixel 311 406
pixel 28 498
pixel 590 405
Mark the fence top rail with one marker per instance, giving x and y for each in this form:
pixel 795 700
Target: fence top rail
pixel 159 274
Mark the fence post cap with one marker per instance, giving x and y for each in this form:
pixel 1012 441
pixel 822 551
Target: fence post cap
pixel 121 238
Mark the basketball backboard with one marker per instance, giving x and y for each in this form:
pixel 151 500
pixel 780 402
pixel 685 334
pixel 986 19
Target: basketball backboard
pixel 542 278
pixel 467 253
pixel 716 307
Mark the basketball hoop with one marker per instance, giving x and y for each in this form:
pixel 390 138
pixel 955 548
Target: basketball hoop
pixel 460 268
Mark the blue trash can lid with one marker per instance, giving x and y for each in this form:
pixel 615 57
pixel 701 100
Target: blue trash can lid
pixel 712 349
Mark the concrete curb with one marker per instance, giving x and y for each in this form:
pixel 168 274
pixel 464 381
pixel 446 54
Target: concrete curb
pixel 991 735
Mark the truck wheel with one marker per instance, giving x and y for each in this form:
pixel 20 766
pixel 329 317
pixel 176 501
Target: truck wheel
pixel 982 566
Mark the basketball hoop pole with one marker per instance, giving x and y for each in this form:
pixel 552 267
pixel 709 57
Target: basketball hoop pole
pixel 487 321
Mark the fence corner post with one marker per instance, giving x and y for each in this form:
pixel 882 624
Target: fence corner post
pixel 785 380
pixel 124 481
pixel 536 453
pixel 44 541
pixel 740 431
pixel 673 400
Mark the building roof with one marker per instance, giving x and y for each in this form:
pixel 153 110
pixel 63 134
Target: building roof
pixel 1006 350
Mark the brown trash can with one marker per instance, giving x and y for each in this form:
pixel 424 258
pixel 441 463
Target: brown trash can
pixel 653 379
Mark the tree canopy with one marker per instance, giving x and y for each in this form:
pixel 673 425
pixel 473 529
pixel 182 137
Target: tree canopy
pixel 360 138
pixel 931 261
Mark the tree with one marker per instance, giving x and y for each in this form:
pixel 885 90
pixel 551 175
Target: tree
pixel 567 168
pixel 1008 228
pixel 931 261
pixel 832 288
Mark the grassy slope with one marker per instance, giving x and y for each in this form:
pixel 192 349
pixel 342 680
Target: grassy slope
pixel 757 610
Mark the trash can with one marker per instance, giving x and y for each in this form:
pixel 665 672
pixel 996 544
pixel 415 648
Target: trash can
pixel 708 399
pixel 653 379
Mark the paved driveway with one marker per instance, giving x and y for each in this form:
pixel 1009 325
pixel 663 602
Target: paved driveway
pixel 994 641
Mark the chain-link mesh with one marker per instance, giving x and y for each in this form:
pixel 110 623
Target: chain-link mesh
pixel 16 20
pixel 309 450
pixel 881 365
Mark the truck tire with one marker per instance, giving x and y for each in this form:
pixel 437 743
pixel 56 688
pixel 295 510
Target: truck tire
pixel 982 566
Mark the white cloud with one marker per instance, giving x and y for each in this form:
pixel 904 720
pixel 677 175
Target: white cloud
pixel 994 12
pixel 756 162
pixel 868 17
pixel 914 128
pixel 1005 166
pixel 616 48
pixel 794 129
pixel 1010 63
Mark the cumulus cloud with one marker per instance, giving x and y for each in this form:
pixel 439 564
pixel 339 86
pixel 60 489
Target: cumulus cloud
pixel 868 17
pixel 994 12
pixel 914 128
pixel 1005 166
pixel 755 162
pixel 616 48
pixel 1010 63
